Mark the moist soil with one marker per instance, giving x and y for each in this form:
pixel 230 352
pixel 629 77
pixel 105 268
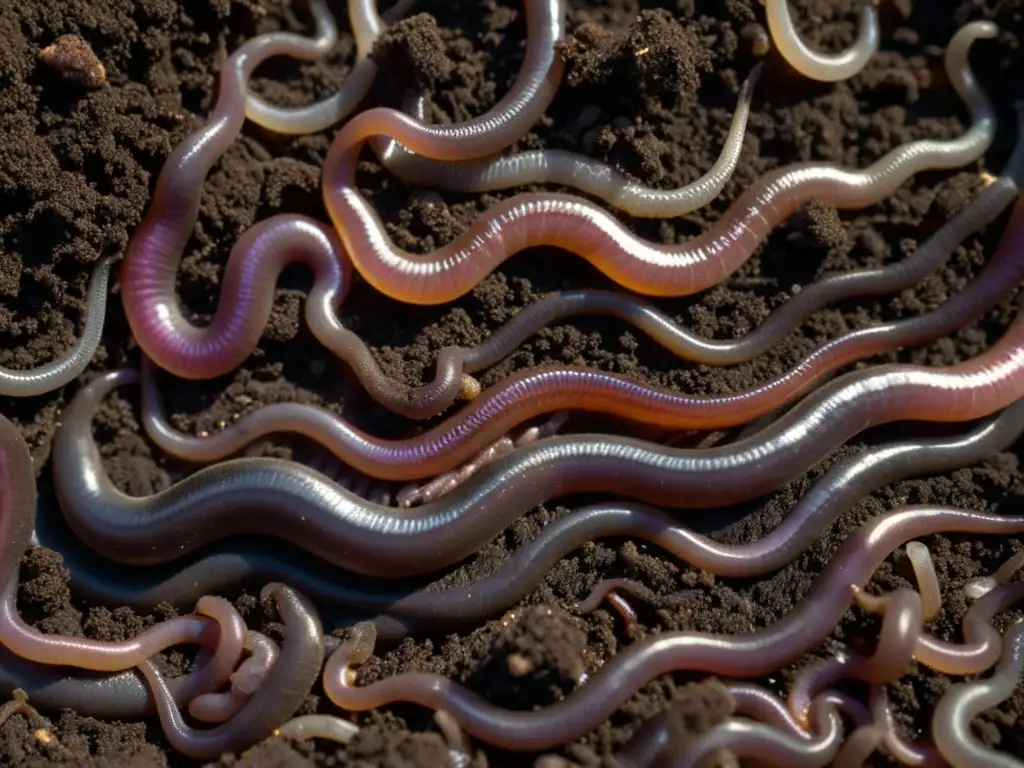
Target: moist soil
pixel 650 88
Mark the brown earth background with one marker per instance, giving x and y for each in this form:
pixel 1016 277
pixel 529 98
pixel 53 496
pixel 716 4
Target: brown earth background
pixel 77 166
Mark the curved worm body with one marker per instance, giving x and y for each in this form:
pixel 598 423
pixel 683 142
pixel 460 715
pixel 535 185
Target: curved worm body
pixel 46 378
pixel 258 495
pixel 278 697
pixel 742 655
pixel 829 68
pixel 223 628
pixel 402 611
pixel 951 722
pixel 571 169
pixel 528 394
pixel 571 223
pixel 313 118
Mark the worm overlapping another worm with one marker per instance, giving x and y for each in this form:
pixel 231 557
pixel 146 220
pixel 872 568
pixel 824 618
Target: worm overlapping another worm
pixel 476 477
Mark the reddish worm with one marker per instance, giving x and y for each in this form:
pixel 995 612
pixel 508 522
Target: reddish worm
pixel 571 223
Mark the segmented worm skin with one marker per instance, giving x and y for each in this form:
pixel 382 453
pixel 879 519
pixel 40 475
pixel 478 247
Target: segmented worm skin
pixel 278 697
pixel 578 226
pixel 741 655
pixel 404 611
pixel 951 722
pixel 154 253
pixel 266 496
pixel 46 378
pixel 527 394
pixel 571 169
pixel 825 67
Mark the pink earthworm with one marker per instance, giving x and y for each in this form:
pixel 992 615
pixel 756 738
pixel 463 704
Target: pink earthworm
pixel 154 252
pixel 570 222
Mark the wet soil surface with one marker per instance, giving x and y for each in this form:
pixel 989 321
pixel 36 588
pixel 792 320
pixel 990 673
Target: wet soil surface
pixel 651 87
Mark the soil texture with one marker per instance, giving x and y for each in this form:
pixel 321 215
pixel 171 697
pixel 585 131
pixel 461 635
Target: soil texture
pixel 650 88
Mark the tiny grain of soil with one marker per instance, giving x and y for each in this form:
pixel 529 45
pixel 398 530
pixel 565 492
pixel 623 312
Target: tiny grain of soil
pixel 650 87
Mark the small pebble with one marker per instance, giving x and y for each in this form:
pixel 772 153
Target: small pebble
pixel 76 62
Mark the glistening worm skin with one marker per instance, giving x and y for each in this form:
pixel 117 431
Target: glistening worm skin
pixel 46 378
pixel 154 253
pixel 571 169
pixel 266 496
pixel 265 249
pixel 578 226
pixel 527 394
pixel 366 28
pixel 17 519
pixel 846 483
pixel 278 698
pixel 951 722
pixel 742 655
pixel 829 68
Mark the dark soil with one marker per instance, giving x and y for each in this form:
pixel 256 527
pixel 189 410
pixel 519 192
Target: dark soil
pixel 80 148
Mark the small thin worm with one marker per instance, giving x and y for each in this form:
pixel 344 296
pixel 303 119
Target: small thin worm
pixel 894 653
pixel 576 225
pixel 740 737
pixel 224 628
pixel 828 68
pixel 927 580
pixel 53 375
pixel 528 394
pixel 575 170
pixel 982 643
pixel 313 118
pixel 845 483
pixel 921 754
pixel 951 721
pixel 219 707
pixel 318 727
pixel 367 26
pixel 290 502
pixel 741 655
pixel 280 695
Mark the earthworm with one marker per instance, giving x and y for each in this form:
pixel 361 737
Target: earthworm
pixel 527 394
pixel 281 693
pixel 746 655
pixel 571 169
pixel 570 222
pixel 982 643
pixel 107 696
pixel 901 627
pixel 927 580
pixel 226 630
pixel 258 495
pixel 829 68
pixel 921 754
pixel 256 260
pixel 313 118
pixel 951 721
pixel 740 737
pixel 219 707
pixel 845 483
pixel 327 727
pixel 51 376
pixel 981 587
